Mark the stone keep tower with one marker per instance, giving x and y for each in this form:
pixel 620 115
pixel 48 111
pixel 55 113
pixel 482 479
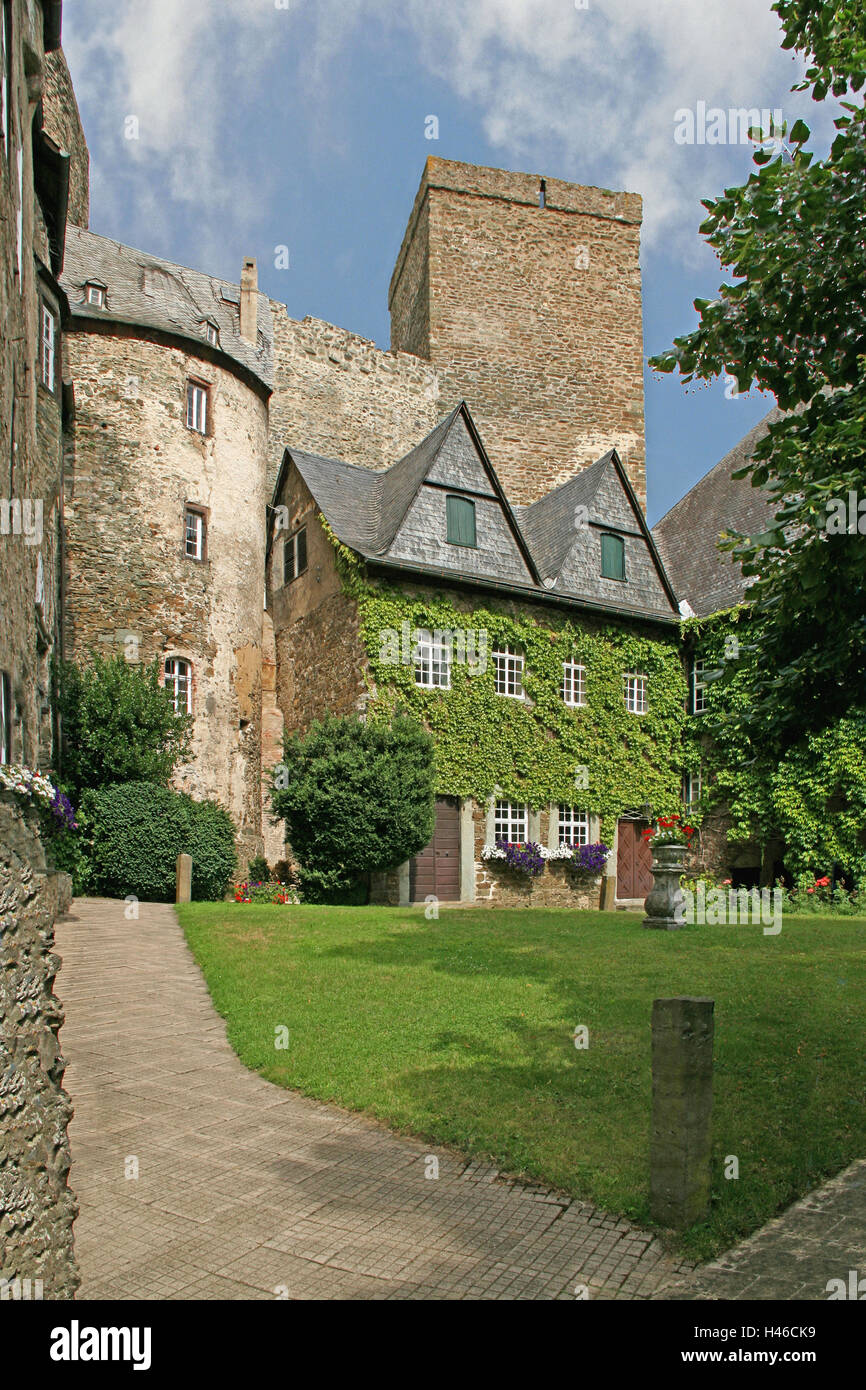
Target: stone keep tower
pixel 525 295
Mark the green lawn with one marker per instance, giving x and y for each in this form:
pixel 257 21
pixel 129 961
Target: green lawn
pixel 461 1031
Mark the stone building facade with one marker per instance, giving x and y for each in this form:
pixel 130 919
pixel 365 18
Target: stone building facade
pixel 525 295
pixel 532 561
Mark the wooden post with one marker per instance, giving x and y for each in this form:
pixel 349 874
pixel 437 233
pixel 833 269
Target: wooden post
pixel 183 881
pixel 682 1066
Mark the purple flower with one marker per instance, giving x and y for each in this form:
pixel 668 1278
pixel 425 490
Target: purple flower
pixel 590 859
pixel 63 811
pixel 526 859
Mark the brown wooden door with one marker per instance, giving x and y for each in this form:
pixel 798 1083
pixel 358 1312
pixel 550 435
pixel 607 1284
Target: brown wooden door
pixel 436 870
pixel 634 872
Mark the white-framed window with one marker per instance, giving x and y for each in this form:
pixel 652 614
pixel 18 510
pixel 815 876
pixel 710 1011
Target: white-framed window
pixel 508 672
pixel 511 823
pixel 6 73
pixel 295 555
pixel 699 687
pixel 195 533
pixel 5 718
pixel 634 692
pixel 212 333
pixel 573 688
pixel 178 682
pixel 433 660
pixel 573 826
pixel 47 346
pixel 94 294
pixel 692 787
pixel 196 407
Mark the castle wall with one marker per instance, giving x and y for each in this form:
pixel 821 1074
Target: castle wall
pixel 62 121
pixel 531 314
pixel 132 467
pixel 37 1208
pixel 340 396
pixel 30 416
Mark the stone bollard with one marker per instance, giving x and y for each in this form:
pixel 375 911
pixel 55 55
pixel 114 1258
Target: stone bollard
pixel 183 889
pixel 682 1065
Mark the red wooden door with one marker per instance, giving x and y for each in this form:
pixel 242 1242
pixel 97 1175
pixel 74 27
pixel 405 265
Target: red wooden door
pixel 436 870
pixel 634 873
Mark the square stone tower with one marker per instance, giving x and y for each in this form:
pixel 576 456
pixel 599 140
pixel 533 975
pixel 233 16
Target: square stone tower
pixel 525 294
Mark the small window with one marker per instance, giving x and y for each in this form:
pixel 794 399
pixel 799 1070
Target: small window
pixel 195 534
pixel 178 682
pixel 5 719
pixel 47 347
pixel 612 556
pixel 510 823
pixel 295 555
pixel 197 407
pixel 573 826
pixel 573 688
pixel 460 518
pixel 699 687
pixel 433 660
pixel 508 673
pixel 692 787
pixel 212 333
pixel 94 294
pixel 634 693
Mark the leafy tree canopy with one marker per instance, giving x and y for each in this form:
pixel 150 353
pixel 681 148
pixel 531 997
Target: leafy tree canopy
pixel 793 321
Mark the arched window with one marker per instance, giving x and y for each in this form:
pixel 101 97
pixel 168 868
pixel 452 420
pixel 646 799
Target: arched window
pixel 178 682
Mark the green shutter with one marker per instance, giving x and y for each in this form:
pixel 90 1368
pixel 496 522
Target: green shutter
pixel 612 557
pixel 460 516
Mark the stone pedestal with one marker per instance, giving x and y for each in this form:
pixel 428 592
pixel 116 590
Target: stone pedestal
pixel 665 904
pixel 183 880
pixel 682 1067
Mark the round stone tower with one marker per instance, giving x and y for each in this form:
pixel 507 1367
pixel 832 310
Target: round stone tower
pixel 166 466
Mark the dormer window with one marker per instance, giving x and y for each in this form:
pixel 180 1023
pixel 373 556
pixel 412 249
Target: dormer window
pixel 212 333
pixel 612 556
pixel 460 521
pixel 94 294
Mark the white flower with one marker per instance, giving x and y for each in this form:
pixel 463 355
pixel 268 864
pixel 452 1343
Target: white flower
pixel 27 783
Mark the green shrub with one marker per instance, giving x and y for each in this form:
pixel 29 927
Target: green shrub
pixel 118 723
pixel 257 870
pixel 357 798
pixel 134 832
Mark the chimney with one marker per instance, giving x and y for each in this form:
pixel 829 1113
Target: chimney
pixel 249 326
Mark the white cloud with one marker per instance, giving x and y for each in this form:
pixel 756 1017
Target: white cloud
pixel 583 94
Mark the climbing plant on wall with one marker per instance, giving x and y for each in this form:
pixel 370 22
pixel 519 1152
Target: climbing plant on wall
pixel 533 750
pixel 813 797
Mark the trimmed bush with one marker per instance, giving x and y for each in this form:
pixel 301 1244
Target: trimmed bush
pixel 134 832
pixel 357 798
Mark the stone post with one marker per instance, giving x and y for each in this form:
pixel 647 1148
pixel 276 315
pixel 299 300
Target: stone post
pixel 183 890
pixel 682 1067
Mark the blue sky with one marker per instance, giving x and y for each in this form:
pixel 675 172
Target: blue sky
pixel 263 123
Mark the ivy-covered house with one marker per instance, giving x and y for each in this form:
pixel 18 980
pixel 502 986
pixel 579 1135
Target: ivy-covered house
pixel 540 644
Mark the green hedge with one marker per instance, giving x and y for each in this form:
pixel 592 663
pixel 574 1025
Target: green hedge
pixel 134 832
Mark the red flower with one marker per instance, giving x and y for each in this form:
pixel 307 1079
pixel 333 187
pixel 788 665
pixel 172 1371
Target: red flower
pixel 822 883
pixel 810 890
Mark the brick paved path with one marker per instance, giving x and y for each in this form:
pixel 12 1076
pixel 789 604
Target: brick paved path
pixel 245 1188
pixel 821 1237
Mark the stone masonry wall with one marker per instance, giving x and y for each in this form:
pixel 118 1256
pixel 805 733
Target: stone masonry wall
pixel 62 121
pixel 37 1208
pixel 531 314
pixel 340 396
pixel 132 465
pixel 29 415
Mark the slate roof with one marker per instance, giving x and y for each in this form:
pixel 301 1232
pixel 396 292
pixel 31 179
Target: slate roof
pixel 548 524
pixel 366 509
pixel 147 292
pixel 706 577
